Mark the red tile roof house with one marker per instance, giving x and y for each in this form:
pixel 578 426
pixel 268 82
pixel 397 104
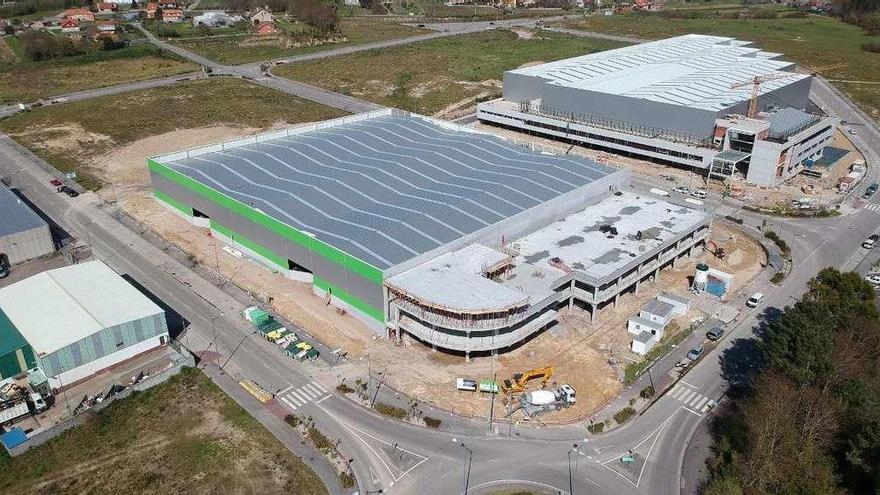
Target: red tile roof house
pixel 266 28
pixel 106 7
pixel 69 25
pixel 79 14
pixel 172 15
pixel 152 7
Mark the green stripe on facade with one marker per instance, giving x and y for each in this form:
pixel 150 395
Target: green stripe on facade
pixel 356 303
pixel 333 254
pixel 253 246
pixel 177 205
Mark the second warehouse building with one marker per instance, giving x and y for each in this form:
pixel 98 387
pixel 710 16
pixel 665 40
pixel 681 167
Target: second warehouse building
pixel 460 239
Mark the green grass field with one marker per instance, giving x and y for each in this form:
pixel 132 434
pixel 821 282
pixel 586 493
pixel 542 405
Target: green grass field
pixel 242 50
pixel 29 81
pixel 827 46
pixel 184 436
pixel 427 77
pixel 69 136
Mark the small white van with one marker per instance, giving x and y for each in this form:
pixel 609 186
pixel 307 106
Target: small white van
pixel 755 300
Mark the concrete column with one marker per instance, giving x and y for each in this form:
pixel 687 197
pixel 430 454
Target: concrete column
pixel 637 287
pixel 467 356
pixel 614 301
pixel 571 303
pixel 656 274
pixel 593 311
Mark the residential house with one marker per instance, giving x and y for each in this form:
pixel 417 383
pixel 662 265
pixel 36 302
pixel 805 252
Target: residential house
pixel 172 15
pixel 106 27
pixel 106 7
pixel 265 28
pixel 215 19
pixel 262 16
pixel 649 325
pixel 167 4
pixel 151 9
pixel 69 25
pixel 79 14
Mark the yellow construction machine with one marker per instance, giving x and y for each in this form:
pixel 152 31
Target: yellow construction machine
pixel 519 380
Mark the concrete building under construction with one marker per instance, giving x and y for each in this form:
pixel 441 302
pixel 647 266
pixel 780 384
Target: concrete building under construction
pixel 457 238
pixel 709 103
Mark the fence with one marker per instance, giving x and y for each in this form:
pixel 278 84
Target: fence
pixel 185 360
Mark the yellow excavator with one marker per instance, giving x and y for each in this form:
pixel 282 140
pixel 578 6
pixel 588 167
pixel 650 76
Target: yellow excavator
pixel 519 380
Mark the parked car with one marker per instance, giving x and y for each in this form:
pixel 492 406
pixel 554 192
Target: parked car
pixel 851 131
pixel 755 300
pixel 695 352
pixel 699 193
pixel 871 190
pixel 873 278
pixel 869 241
pixel 55 182
pixel 715 333
pixel 68 191
pixel 681 190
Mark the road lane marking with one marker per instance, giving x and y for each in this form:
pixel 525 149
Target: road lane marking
pixel 687 396
pixel 308 393
pixel 700 404
pixel 282 392
pixel 297 396
pixel 696 399
pixel 318 386
pixel 284 399
pixel 691 411
pixel 323 398
pixel 688 384
pixel 676 392
pixel 656 432
pixel 554 489
pixel 313 389
pixel 704 408
pixel 674 389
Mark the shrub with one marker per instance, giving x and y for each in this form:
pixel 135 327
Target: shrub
pixel 344 389
pixel 624 415
pixel 292 420
pixel 346 479
pixel 432 422
pixel 777 277
pixel 647 392
pixel 391 411
pixel 873 47
pixel 320 441
pixel 596 428
pixel 734 219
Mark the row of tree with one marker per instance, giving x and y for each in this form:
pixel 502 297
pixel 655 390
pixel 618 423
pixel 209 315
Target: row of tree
pixel 809 422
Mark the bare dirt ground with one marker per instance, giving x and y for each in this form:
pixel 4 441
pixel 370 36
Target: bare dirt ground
pixel 579 350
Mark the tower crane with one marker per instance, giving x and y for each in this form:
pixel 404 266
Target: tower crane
pixel 756 85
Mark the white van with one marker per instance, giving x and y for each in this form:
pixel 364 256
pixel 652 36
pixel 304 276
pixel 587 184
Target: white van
pixel 659 192
pixel 466 384
pixel 755 300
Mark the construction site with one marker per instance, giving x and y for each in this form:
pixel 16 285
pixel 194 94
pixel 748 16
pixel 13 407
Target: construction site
pixel 556 290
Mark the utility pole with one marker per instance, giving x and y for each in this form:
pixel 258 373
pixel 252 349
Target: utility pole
pixel 467 467
pixel 234 350
pixel 570 479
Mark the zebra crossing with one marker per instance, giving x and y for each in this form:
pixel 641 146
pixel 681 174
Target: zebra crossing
pixel 689 397
pixel 872 206
pixel 294 398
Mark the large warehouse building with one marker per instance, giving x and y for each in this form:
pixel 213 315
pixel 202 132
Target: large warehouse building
pixel 23 234
pixel 75 321
pixel 390 214
pixel 682 101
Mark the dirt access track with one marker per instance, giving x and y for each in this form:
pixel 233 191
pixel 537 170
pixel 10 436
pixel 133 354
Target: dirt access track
pixel 579 350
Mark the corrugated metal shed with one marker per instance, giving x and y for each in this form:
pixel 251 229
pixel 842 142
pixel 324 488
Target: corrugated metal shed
pixel 59 307
pixel 17 216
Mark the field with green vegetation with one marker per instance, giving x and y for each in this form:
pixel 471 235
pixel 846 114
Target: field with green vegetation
pixel 184 436
pixel 69 136
pixel 427 77
pixel 241 50
pixel 23 81
pixel 824 45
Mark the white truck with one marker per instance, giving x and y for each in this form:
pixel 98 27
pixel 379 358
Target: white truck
pixel 541 401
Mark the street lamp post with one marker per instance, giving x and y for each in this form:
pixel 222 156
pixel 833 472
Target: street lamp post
pixel 467 467
pixel 570 479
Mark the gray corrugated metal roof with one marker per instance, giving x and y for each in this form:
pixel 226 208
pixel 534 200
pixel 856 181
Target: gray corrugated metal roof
pixel 389 188
pixel 732 156
pixel 17 216
pixel 693 70
pixel 658 308
pixel 787 121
